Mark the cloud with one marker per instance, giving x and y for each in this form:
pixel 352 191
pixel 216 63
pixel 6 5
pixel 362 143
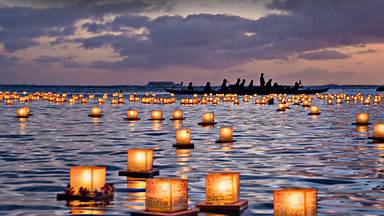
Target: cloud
pixel 366 51
pixel 318 76
pixel 322 55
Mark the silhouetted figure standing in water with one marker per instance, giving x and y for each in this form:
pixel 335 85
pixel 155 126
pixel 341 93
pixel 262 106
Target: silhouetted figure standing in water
pixel 237 85
pixel 275 85
pixel 262 80
pixel 207 88
pixel 242 84
pixel 190 86
pixel 250 85
pixel 224 85
pixel 269 83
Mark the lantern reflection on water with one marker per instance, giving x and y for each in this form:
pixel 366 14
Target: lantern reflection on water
pixel 166 195
pixel 295 202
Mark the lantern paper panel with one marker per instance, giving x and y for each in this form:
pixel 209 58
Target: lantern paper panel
pixel 140 160
pixel 295 202
pixel 183 136
pixel 222 188
pixel 91 178
pixel 166 195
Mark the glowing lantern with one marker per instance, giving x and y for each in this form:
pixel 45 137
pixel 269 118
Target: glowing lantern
pixel 226 134
pixel 140 160
pixel 166 195
pixel 208 118
pixel 87 177
pixel 378 131
pixel 295 202
pixel 306 103
pixel 133 114
pixel 156 115
pixel 183 136
pixel 8 102
pixel 177 115
pixel 222 188
pixel 95 112
pixel 22 112
pixel 315 110
pixel 362 118
pixel 280 107
pixel 329 102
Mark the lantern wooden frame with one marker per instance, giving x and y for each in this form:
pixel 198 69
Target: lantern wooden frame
pixel 147 172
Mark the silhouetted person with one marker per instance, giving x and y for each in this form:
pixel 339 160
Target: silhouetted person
pixel 207 88
pixel 190 86
pixel 300 83
pixel 250 85
pixel 269 83
pixel 296 85
pixel 224 85
pixel 262 80
pixel 242 84
pixel 275 85
pixel 182 83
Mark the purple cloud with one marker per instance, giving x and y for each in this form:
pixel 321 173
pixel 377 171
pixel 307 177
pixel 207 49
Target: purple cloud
pixel 322 55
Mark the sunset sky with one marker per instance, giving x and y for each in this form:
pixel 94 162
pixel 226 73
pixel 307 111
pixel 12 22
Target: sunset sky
pixel 118 42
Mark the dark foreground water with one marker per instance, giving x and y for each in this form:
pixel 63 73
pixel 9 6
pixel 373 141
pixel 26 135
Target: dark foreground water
pixel 273 150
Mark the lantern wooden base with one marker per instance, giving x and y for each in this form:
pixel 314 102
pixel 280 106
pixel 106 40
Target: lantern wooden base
pixel 184 146
pixel 314 114
pixel 24 117
pixel 361 124
pixel 63 196
pixel 96 116
pixel 144 174
pixel 207 124
pixel 173 119
pixel 232 209
pixel 156 119
pixel 131 119
pixel 189 212
pixel 381 140
pixel 218 141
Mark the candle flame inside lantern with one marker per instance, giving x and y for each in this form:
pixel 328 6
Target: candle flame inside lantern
pixel 140 160
pixel 177 115
pixel 208 118
pixel 378 131
pixel 222 188
pixel 132 114
pixel 91 178
pixel 226 134
pixel 362 118
pixel 295 202
pixel 166 195
pixel 183 136
pixel 156 115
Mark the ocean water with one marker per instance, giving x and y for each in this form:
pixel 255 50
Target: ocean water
pixel 272 150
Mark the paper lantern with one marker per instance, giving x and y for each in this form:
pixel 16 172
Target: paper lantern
pixel 87 177
pixel 362 118
pixel 132 114
pixel 183 136
pixel 306 103
pixel 226 134
pixel 166 195
pixel 156 115
pixel 315 110
pixel 177 115
pixel 95 112
pixel 208 118
pixel 378 131
pixel 280 107
pixel 140 160
pixel 295 202
pixel 222 188
pixel 22 112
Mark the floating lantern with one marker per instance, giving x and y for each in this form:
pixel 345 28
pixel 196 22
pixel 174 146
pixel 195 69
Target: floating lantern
pixel 362 119
pixel 280 108
pixel 222 192
pixel 133 115
pixel 8 102
pixel 183 138
pixel 306 103
pixel 208 118
pixel 315 110
pixel 177 115
pixel 295 202
pixel 329 102
pixel 157 115
pixel 140 164
pixel 22 112
pixel 95 112
pixel 226 134
pixel 378 131
pixel 166 195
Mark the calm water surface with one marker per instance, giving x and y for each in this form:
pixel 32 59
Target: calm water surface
pixel 273 150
